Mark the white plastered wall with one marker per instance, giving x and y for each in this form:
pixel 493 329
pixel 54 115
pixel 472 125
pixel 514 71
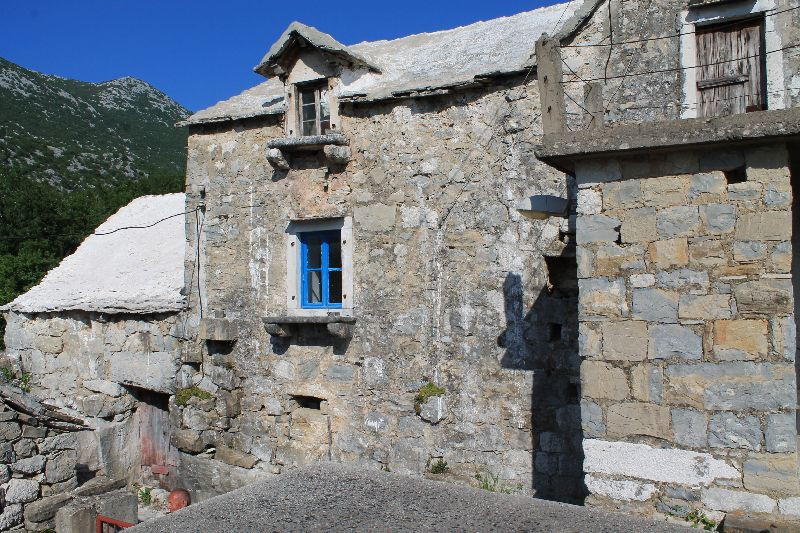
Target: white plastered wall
pixel 345 225
pixel 691 18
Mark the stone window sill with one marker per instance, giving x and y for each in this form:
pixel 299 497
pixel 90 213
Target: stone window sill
pixel 333 145
pixel 310 142
pixel 286 325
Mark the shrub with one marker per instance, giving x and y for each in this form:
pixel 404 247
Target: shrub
pixel 182 396
pixel 429 390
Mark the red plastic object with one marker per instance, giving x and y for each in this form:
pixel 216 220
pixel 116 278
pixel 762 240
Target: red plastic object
pixel 107 524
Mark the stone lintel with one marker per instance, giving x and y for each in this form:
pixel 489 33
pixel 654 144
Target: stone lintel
pixel 561 150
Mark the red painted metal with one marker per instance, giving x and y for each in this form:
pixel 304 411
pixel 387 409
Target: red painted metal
pixel 106 524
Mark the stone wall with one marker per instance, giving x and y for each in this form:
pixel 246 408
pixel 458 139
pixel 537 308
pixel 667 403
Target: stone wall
pixel 95 366
pixel 450 287
pixel 41 462
pixel 687 334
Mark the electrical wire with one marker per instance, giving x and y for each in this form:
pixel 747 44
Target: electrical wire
pixel 677 69
pixel 671 36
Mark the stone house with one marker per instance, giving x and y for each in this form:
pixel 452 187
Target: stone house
pixel 359 284
pixel 363 288
pixel 99 339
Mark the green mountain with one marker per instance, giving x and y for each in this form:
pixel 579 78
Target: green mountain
pixel 71 154
pixel 75 134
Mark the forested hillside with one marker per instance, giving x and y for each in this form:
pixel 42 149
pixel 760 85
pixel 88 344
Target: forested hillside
pixel 71 154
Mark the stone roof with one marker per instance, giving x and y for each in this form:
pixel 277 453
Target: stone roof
pixel 415 64
pixel 136 270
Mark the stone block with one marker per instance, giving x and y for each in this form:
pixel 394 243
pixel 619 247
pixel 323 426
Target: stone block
pixel 619 489
pixel 590 340
pixel 667 254
pixel 11 516
pixel 625 341
pixel 639 226
pixel 46 508
pixel 704 307
pixel 234 457
pixel 737 501
pixel 732 386
pixel 218 329
pixel 666 465
pixel 655 305
pixel 30 466
pixel 639 281
pixel 689 427
pixel 611 259
pixel 707 252
pixel 749 251
pixel 780 260
pixel 590 202
pixel 434 410
pixel 622 194
pixel 771 472
pixel 784 342
pixel 672 341
pixel 187 440
pixel 665 191
pixel 600 297
pixel 647 383
pixel 764 297
pixel 22 490
pixel 740 340
pixel 684 279
pixel 726 430
pixel 151 371
pixel 601 380
pixel 625 419
pixel 375 218
pixel 109 388
pixel 592 423
pixel 746 194
pixel 48 344
pixel 789 506
pixel 705 186
pixel 717 219
pixel 9 431
pixel 680 221
pixel 597 228
pixel 781 434
pixel 767 226
pixel 585 259
pixel 61 466
pixel 340 372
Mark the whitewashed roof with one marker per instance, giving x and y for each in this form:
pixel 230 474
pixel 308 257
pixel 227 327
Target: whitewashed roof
pixel 416 63
pixel 137 270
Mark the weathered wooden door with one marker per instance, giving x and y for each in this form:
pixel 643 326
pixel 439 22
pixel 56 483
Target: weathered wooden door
pixel 155 449
pixel 730 73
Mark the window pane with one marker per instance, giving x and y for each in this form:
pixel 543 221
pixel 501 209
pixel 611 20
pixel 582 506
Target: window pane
pixel 335 254
pixel 310 128
pixel 335 290
pixel 309 112
pixel 313 253
pixel 307 97
pixel 314 287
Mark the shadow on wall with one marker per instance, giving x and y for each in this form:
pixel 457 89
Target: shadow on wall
pixel 545 340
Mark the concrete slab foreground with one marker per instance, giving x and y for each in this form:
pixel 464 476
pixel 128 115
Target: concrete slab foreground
pixel 332 497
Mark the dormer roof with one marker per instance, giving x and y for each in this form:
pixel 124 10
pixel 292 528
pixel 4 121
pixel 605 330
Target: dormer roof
pixel 298 34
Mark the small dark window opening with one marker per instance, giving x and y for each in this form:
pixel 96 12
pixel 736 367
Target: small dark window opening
pixel 219 347
pixel 308 402
pixel 737 175
pixel 554 332
pixel 314 109
pixel 562 273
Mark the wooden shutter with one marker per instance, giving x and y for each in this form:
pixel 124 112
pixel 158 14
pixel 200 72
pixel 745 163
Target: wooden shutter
pixel 730 73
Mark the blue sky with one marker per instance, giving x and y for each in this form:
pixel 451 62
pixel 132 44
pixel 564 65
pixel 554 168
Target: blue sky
pixel 202 51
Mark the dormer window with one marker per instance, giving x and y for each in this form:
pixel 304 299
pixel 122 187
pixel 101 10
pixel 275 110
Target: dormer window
pixel 314 109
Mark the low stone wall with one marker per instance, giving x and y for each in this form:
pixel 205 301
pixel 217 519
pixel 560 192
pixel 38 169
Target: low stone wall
pixel 687 332
pixel 39 465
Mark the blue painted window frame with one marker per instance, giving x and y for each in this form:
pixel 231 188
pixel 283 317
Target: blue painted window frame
pixel 326 238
